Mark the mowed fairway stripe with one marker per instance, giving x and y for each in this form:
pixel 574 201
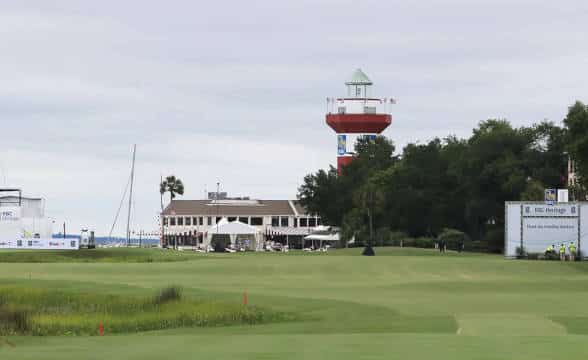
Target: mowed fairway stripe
pixel 508 324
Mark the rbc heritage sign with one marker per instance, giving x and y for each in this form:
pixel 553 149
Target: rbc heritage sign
pixel 537 210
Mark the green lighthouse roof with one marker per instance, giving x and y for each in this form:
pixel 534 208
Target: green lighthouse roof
pixel 359 78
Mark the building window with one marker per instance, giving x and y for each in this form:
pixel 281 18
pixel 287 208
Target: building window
pixel 295 222
pixel 218 218
pixel 369 109
pixel 303 222
pixel 318 221
pixel 188 221
pixel 275 221
pixel 256 221
pixel 232 218
pixel 165 221
pixel 284 221
pixel 311 222
pixel 244 220
pixel 201 220
pixel 180 221
pixel 341 109
pixel 172 221
pixel 209 220
pixel 194 221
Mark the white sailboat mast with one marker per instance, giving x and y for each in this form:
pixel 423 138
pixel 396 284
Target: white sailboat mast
pixel 131 197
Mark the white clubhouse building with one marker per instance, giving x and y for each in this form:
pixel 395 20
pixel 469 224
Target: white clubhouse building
pixel 187 222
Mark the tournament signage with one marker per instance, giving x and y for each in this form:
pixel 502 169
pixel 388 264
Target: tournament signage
pixel 39 243
pixel 9 214
pixel 540 210
pixel 550 196
pixel 534 226
pixel 341 144
pixel 545 231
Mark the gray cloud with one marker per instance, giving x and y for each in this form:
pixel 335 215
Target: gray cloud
pixel 236 90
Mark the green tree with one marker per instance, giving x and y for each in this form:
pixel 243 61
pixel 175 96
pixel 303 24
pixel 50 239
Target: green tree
pixel 493 172
pixel 576 123
pixel 320 195
pixel 534 191
pixel 369 200
pixel 545 159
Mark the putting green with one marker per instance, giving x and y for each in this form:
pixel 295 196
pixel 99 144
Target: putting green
pixel 402 303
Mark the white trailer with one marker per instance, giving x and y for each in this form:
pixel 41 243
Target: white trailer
pixel 87 239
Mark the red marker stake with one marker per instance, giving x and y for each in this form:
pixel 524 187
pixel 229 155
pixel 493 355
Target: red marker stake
pixel 244 297
pixel 101 329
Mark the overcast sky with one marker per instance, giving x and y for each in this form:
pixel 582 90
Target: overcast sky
pixel 234 91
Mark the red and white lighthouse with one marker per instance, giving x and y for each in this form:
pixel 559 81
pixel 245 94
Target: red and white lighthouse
pixel 356 115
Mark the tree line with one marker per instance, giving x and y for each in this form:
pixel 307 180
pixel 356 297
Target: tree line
pixel 449 183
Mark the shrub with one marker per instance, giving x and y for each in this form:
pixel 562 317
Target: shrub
pixel 165 295
pixel 477 245
pixel 14 321
pixel 394 238
pixel 408 242
pixel 495 240
pixel 534 256
pixel 381 236
pixel 453 238
pixel 424 242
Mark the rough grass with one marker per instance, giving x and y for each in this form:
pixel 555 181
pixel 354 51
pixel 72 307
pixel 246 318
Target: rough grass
pixel 106 255
pixel 29 311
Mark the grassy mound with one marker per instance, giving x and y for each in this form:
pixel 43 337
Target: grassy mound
pixel 28 311
pixel 105 255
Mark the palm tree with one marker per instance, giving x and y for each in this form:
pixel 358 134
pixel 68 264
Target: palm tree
pixel 173 186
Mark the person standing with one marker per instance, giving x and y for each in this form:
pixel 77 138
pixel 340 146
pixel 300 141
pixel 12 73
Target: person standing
pixel 550 249
pixel 562 252
pixel 572 248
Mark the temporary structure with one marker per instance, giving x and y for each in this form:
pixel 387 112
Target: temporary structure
pixel 233 229
pixel 322 238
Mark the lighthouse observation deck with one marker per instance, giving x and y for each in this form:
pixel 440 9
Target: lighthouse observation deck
pixel 359 111
pixel 357 115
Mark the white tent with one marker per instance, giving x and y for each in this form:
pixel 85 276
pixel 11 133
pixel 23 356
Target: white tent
pixel 233 229
pixel 322 238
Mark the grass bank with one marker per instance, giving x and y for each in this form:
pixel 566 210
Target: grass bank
pixel 30 311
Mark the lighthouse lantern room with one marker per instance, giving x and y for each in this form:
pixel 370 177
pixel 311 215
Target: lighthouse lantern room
pixel 356 115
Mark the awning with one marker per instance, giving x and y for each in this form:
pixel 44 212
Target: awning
pixel 290 231
pixel 327 237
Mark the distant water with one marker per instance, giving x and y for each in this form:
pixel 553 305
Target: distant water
pixel 103 240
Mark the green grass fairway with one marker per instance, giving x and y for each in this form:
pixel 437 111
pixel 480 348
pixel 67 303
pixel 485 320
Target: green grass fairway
pixel 400 304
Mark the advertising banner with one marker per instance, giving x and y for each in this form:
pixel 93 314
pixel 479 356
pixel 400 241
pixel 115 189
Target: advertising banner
pixel 341 144
pixel 39 244
pixel 9 214
pixel 550 196
pixel 540 232
pixel 540 210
